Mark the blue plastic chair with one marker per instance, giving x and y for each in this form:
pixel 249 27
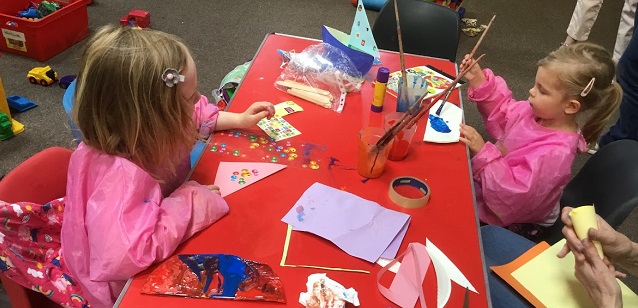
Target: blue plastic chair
pixel 67 102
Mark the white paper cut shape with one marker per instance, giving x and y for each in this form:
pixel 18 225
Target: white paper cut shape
pixel 233 176
pixel 361 37
pixel 451 117
pixel 446 272
pixel 394 268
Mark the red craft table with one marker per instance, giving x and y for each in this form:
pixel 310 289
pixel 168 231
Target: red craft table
pixel 253 229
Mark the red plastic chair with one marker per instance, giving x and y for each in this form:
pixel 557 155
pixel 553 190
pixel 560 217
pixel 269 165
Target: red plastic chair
pixel 39 179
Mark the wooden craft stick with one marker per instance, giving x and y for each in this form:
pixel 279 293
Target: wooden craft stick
pixel 316 98
pixel 296 85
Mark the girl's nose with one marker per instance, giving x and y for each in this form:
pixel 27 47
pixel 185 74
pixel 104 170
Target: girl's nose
pixel 531 92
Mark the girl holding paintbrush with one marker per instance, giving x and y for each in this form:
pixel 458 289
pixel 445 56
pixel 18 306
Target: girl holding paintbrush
pixel 519 178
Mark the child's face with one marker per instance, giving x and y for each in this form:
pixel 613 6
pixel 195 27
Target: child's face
pixel 547 99
pixel 188 88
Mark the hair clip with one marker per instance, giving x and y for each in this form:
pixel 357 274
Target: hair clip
pixel 588 87
pixel 172 77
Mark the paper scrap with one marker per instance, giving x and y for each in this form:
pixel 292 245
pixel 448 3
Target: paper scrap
pixel 285 108
pixel 324 292
pixel 360 227
pixel 278 128
pixel 233 176
pixel 551 280
pixel 394 268
pixel 446 272
pixel 407 285
pixel 446 127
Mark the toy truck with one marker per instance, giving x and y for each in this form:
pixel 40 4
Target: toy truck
pixel 43 75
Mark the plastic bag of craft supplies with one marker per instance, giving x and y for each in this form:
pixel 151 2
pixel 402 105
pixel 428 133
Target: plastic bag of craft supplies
pixel 321 74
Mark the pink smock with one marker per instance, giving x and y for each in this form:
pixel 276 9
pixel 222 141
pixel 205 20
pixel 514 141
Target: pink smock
pixel 119 220
pixel 520 178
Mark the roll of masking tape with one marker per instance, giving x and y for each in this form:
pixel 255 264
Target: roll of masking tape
pixel 410 203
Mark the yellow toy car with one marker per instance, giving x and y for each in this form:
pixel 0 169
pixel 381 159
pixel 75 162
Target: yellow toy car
pixel 43 75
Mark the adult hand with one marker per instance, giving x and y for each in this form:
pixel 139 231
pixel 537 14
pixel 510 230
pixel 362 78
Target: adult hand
pixel 597 277
pixel 471 138
pixel 475 74
pixel 256 112
pixel 616 246
pixel 214 189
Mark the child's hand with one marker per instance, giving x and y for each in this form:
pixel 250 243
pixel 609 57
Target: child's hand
pixel 214 189
pixel 256 112
pixel 475 74
pixel 472 139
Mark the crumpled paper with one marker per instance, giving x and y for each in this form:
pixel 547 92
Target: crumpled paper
pixel 324 292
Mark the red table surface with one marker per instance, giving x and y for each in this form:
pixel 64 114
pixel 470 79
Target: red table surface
pixel 253 229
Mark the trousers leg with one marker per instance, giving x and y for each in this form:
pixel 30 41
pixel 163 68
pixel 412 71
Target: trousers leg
pixel 583 19
pixel 626 127
pixel 501 246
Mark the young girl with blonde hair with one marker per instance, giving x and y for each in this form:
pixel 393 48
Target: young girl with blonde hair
pixel 127 204
pixel 519 179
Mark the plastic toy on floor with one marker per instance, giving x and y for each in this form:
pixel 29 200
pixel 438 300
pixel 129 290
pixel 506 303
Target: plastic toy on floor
pixel 137 18
pixel 16 127
pixel 65 81
pixel 5 127
pixel 42 75
pixel 20 104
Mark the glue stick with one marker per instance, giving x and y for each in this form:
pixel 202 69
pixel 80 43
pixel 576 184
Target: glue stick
pixel 379 89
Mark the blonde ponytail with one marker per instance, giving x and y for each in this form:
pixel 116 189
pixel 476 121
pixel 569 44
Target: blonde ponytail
pixel 596 123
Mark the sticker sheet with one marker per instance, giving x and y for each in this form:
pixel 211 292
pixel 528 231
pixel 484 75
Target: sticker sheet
pixel 278 128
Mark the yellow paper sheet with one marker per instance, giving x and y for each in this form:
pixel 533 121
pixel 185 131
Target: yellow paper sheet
pixel 553 283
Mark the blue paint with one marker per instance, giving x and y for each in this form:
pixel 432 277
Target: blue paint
pixel 439 124
pixel 300 216
pixel 232 268
pixel 334 161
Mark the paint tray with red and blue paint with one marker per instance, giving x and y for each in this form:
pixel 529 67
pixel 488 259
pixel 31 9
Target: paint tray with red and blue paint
pixel 215 276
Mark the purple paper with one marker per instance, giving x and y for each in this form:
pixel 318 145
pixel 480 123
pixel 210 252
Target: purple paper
pixel 360 227
pixel 393 248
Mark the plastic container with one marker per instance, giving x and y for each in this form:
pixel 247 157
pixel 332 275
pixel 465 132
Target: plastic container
pixel 46 37
pixel 371 162
pixel 403 140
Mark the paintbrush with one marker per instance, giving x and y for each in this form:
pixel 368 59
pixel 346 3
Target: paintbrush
pixel 409 119
pixel 423 111
pixel 476 46
pixel 404 76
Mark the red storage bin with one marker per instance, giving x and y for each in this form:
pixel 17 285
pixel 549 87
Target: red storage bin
pixel 44 38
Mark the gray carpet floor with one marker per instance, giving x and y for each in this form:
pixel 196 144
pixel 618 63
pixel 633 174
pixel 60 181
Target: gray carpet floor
pixel 223 34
